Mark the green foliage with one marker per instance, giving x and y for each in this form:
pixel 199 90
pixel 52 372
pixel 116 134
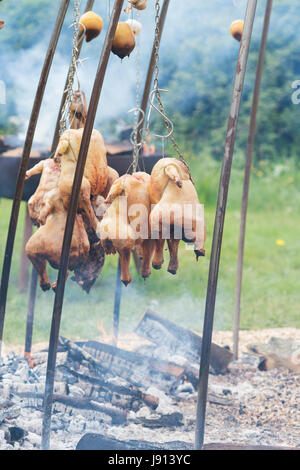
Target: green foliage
pixel 27 16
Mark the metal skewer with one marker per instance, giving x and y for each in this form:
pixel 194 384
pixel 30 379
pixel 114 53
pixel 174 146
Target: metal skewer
pixel 149 77
pixel 219 223
pixel 248 164
pixel 24 162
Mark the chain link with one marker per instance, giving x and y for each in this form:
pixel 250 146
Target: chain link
pixel 137 146
pixel 65 114
pixel 156 88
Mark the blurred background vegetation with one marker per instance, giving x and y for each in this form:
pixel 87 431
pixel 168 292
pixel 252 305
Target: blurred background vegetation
pixel 197 66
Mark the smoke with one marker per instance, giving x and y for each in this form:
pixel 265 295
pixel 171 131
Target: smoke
pixel 186 24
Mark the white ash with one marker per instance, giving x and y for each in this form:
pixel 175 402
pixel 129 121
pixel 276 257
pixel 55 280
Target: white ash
pixel 258 408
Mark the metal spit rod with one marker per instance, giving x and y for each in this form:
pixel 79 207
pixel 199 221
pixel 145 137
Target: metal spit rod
pixel 59 295
pixel 219 223
pixel 247 174
pixel 34 278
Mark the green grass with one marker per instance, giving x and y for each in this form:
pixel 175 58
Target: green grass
pixel 271 294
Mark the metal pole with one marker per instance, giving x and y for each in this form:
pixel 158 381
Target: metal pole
pixel 30 313
pixel 248 164
pixel 118 295
pixel 58 302
pixel 25 263
pixel 89 6
pixel 149 76
pixel 219 223
pixel 24 162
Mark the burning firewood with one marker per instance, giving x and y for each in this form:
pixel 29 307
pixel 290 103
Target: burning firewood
pixel 137 369
pixel 180 341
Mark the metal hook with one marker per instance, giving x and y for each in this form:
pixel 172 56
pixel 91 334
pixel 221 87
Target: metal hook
pixel 134 132
pixel 156 93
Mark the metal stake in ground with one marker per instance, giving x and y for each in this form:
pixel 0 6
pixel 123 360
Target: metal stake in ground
pixel 150 71
pixel 219 223
pixel 30 313
pixel 248 164
pixel 117 304
pixel 24 162
pixel 58 302
pixel 89 6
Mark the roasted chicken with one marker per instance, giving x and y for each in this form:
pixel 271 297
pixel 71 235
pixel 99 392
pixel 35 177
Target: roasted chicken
pixel 46 243
pixel 95 174
pixel 50 172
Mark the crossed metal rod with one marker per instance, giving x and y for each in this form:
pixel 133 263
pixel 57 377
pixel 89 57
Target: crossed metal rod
pixel 24 162
pixel 34 277
pixel 220 212
pixel 247 174
pixel 72 210
pixel 219 223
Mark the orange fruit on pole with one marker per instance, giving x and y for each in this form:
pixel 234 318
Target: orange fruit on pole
pixel 91 24
pixel 124 42
pixel 236 29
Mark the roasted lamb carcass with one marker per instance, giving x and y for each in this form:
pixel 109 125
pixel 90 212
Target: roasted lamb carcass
pixel 95 174
pixel 125 224
pixel 50 172
pixel 177 213
pixel 46 243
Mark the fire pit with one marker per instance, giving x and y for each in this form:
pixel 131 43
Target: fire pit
pixel 119 399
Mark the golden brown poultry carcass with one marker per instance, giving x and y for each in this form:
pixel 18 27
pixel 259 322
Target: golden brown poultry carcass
pixel 177 213
pixel 95 174
pixel 78 110
pixel 88 272
pixel 50 172
pixel 125 224
pixel 46 243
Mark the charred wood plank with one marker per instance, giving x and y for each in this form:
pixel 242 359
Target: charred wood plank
pixel 118 416
pixel 99 386
pixel 138 369
pixel 91 441
pixel 179 340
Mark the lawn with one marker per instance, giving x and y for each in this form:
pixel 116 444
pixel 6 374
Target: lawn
pixel 271 294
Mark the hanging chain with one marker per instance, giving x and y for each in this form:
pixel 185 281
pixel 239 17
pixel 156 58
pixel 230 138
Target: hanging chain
pixel 136 145
pixel 65 114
